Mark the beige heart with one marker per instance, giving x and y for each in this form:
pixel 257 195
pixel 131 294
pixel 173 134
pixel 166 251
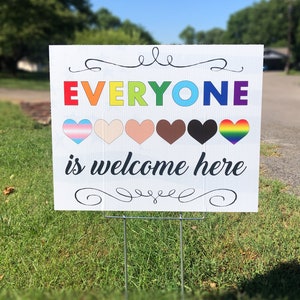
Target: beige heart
pixel 108 132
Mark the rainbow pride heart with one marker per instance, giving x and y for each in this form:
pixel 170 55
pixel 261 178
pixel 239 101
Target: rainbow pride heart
pixel 77 132
pixel 234 132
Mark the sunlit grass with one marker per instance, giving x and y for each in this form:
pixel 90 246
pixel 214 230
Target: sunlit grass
pixel 25 80
pixel 268 149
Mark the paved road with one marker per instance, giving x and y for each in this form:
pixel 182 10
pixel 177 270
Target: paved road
pixel 18 96
pixel 280 122
pixel 281 126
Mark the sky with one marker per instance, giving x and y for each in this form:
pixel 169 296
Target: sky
pixel 166 19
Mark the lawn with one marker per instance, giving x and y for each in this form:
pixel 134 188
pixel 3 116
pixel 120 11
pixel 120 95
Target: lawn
pixel 47 254
pixel 25 80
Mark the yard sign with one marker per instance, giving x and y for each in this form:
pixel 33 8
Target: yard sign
pixel 156 128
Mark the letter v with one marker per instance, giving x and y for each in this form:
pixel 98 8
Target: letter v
pixel 93 96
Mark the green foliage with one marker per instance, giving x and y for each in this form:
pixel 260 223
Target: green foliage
pixel 132 29
pixel 109 30
pixel 213 36
pixel 265 22
pixel 188 35
pixel 29 26
pixel 269 23
pixel 106 37
pixel 106 20
pixel 47 254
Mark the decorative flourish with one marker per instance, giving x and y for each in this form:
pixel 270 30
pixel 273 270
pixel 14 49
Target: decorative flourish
pixel 94 64
pixel 218 197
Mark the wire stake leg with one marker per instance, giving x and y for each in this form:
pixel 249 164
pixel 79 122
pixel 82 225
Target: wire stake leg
pixel 181 256
pixel 125 257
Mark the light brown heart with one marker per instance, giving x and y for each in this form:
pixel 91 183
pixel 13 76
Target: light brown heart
pixel 139 132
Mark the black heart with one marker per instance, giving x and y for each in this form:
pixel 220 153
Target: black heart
pixel 202 133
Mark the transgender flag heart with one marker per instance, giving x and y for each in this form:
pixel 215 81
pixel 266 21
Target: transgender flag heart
pixel 77 132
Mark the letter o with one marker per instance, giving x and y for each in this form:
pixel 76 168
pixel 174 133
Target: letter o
pixel 181 85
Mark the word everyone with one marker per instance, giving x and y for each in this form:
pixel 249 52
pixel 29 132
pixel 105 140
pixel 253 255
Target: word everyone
pixel 184 93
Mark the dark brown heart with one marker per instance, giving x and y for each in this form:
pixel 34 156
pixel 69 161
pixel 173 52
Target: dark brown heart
pixel 202 132
pixel 170 132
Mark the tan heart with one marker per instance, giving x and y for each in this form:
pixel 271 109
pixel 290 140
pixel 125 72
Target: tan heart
pixel 139 132
pixel 108 132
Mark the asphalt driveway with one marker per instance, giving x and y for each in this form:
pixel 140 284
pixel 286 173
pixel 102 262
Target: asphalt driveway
pixel 281 126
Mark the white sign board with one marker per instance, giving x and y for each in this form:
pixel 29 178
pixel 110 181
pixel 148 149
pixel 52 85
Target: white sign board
pixel 156 128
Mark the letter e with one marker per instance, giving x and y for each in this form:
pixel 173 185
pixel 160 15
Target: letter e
pixel 238 93
pixel 70 92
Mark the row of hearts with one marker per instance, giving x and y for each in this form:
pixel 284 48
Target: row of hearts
pixel 169 132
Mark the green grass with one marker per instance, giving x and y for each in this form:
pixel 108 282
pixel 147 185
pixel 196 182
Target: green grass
pixel 268 149
pixel 47 254
pixel 294 72
pixel 25 80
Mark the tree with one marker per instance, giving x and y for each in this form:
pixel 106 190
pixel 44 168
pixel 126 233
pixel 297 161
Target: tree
pixel 108 29
pixel 107 37
pixel 105 20
pixel 29 26
pixel 188 35
pixel 133 30
pixel 267 24
pixel 294 31
pixel 237 26
pixel 272 23
pixel 213 36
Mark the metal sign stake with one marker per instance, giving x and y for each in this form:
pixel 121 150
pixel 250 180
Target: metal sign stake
pixel 180 218
pixel 181 255
pixel 125 257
